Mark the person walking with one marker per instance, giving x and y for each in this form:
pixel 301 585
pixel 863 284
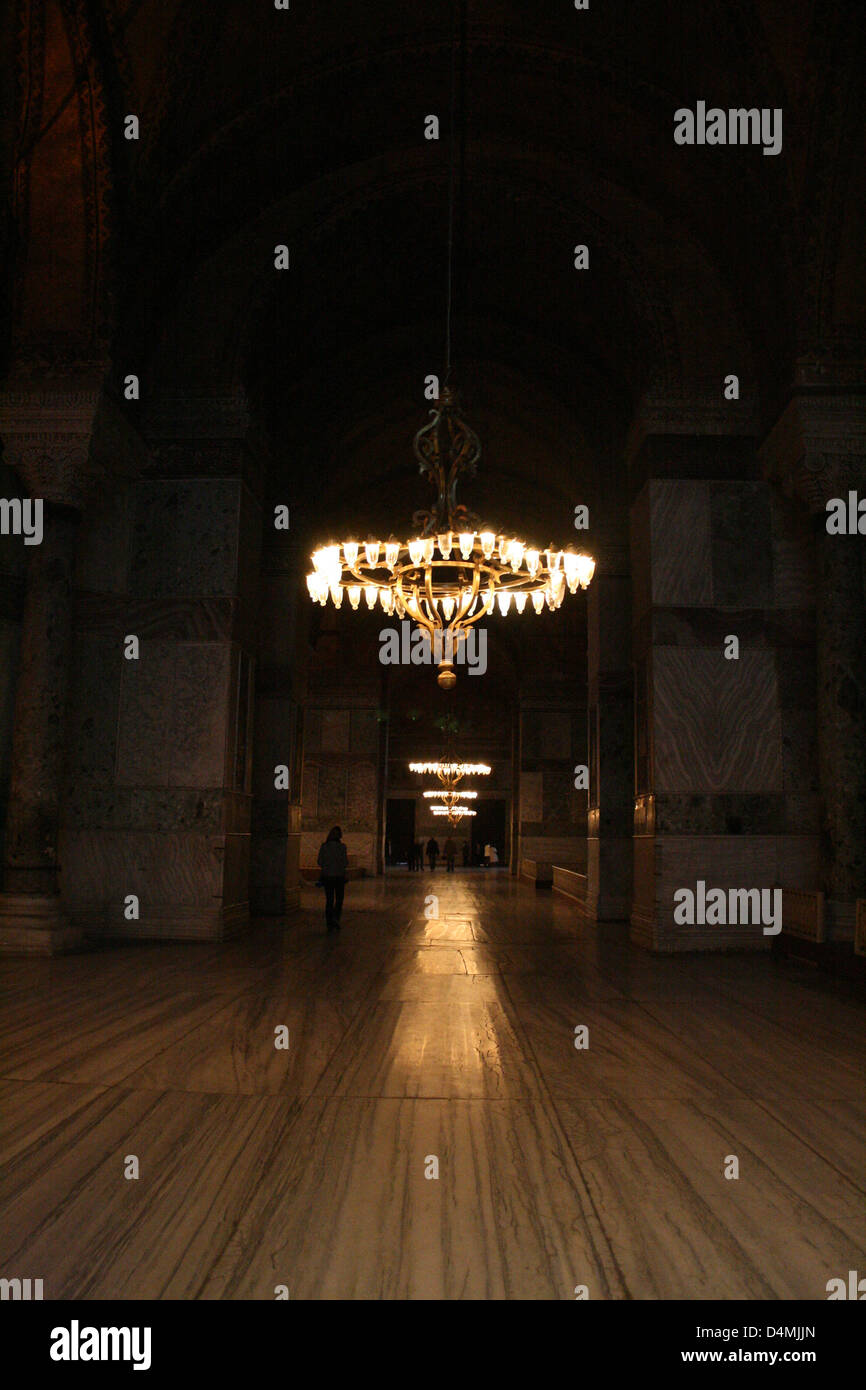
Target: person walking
pixel 450 854
pixel 432 852
pixel 333 862
pixel 419 856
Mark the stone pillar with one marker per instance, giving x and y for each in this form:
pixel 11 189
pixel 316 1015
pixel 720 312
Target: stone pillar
pixel 724 730
pixel 47 440
pixel 841 660
pixel 275 867
pixel 817 452
pixel 610 733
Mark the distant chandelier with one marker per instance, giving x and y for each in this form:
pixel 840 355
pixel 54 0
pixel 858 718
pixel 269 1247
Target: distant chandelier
pixel 450 773
pixel 455 570
pixel 454 796
pixel 455 813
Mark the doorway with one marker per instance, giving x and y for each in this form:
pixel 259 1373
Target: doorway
pixel 399 829
pixel 488 828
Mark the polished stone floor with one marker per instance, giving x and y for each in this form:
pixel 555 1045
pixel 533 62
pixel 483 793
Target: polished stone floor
pixel 412 1040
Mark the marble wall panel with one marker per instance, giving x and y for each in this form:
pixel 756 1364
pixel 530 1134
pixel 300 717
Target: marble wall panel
pixel 742 553
pixel 716 722
pixel 200 709
pixel 310 793
pixel 641 568
pixel 556 734
pixel 144 725
pixel 566 850
pixel 332 794
pixel 793 554
pixel 161 868
pixel 800 751
pixel 362 796
pixel 185 537
pixel 531 796
pixel 336 727
pixel 102 561
pixel 681 542
pixel 731 861
pixel 94 696
pixel 364 735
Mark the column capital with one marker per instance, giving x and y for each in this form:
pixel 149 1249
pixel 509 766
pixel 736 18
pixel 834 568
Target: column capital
pixel 692 415
pixel 64 444
pixel 817 448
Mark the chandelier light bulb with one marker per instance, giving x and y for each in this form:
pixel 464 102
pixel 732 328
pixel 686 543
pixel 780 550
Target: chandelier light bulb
pixel 585 570
pixel 448 605
pixel 467 540
pixel 429 550
pixel 504 600
pixel 371 593
pixel 488 543
pixel 392 553
pixel 445 542
pixel 350 550
pixel 371 550
pixel 533 561
pixel 416 551
pixel 516 550
pixel 354 592
pixel 538 600
pixel 520 601
pixel 337 595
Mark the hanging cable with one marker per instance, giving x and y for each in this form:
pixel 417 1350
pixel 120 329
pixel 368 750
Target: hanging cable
pixel 451 181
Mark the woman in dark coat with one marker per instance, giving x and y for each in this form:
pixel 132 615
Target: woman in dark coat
pixel 333 862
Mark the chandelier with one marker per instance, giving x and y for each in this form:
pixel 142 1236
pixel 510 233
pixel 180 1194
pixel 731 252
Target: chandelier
pixel 454 571
pixel 450 773
pixel 454 813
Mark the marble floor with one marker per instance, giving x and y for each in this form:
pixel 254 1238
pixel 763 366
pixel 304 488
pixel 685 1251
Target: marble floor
pixel 415 1044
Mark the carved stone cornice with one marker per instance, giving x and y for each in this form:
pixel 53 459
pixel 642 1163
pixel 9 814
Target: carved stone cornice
pixel 198 413
pixel 817 448
pixel 66 444
pixel 691 416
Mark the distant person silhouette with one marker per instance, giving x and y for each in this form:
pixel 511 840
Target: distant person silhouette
pixel 419 856
pixel 432 852
pixel 333 862
pixel 450 854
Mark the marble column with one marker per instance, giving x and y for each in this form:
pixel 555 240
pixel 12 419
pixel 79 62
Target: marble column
pixel 841 661
pixel 610 740
pixel 815 452
pixel 47 440
pixel 40 709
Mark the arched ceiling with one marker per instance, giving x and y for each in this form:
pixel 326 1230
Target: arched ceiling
pixel 305 126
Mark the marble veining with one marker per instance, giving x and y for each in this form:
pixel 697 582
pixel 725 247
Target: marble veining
pixel 412 1039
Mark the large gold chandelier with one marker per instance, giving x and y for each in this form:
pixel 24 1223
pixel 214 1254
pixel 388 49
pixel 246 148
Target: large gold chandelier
pixel 454 571
pixel 450 773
